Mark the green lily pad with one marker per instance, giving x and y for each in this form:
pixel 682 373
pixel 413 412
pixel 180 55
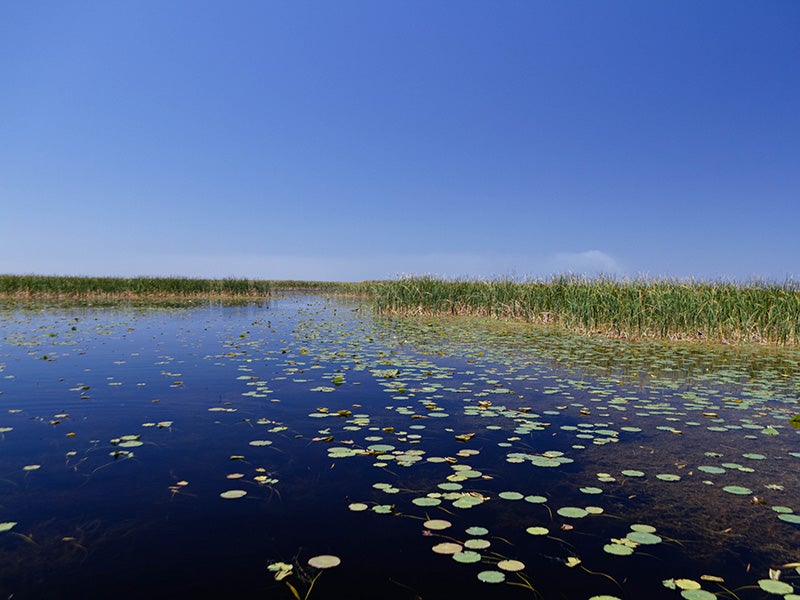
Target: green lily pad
pixel 618 549
pixel 698 595
pixel 572 512
pixel 467 556
pixel 632 473
pixel 447 548
pixel 492 576
pixel 477 530
pixel 772 586
pixel 790 518
pixel 233 494
pixel 425 501
pixel 535 499
pixel 437 524
pixel 510 565
pixel 641 537
pixel 510 495
pixel 538 530
pixel 737 490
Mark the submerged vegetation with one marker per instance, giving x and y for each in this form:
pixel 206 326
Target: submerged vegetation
pixel 635 309
pixel 722 312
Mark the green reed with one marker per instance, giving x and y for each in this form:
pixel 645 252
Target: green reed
pixel 57 287
pixel 639 308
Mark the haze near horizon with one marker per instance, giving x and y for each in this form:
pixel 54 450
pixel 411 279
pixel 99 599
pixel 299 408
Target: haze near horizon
pixel 366 140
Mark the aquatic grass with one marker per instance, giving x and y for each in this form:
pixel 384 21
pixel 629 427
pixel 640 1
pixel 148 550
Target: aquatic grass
pixel 51 287
pixel 725 312
pixel 40 287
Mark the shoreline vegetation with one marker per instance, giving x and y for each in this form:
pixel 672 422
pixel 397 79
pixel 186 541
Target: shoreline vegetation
pixel 638 309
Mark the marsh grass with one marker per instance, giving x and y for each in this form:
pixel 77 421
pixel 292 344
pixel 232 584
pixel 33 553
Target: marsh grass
pixel 161 289
pixel 632 309
pixel 38 287
pixel 726 312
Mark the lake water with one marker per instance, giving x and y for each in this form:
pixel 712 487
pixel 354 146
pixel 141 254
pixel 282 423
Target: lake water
pixel 564 467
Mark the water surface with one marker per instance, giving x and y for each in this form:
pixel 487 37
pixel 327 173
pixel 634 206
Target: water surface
pixel 121 428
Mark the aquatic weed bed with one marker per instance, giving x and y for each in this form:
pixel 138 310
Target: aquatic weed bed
pixel 306 448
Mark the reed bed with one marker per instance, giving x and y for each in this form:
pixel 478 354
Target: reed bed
pixel 633 309
pixel 38 287
pixel 339 288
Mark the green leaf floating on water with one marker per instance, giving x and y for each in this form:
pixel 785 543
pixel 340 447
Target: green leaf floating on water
pixel 510 495
pixel 437 524
pixel 790 518
pixel 447 548
pixel 641 537
pixel 467 556
pixel 492 576
pixel 477 530
pixel 572 512
pixel 511 565
pixel 618 549
pixel 737 490
pixel 233 494
pixel 772 586
pixel 697 595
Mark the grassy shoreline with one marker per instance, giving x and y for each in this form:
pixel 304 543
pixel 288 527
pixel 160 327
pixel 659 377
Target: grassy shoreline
pixel 74 288
pixel 638 309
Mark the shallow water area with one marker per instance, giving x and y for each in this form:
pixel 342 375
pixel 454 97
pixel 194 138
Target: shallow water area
pixel 177 452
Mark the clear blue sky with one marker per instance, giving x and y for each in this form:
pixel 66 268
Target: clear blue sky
pixel 347 140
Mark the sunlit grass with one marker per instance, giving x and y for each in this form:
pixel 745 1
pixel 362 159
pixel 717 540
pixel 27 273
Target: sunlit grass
pixel 37 287
pixel 634 309
pixel 760 312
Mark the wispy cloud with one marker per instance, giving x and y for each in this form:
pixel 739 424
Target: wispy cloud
pixel 331 268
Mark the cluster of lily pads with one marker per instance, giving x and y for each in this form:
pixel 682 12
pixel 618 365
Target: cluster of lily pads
pixel 456 419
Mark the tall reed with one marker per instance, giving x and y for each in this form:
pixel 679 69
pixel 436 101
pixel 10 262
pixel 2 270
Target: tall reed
pixel 56 287
pixel 639 308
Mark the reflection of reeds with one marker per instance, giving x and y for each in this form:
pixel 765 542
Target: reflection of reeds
pixel 638 308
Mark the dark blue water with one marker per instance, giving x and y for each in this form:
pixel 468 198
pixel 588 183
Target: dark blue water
pixel 97 519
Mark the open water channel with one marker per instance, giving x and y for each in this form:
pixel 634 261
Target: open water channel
pixel 179 452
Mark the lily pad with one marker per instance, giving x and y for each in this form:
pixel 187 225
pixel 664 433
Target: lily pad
pixel 233 494
pixel 492 576
pixel 324 561
pixel 437 524
pixel 447 548
pixel 618 549
pixel 737 490
pixel 771 586
pixel 572 512
pixel 511 565
pixel 467 556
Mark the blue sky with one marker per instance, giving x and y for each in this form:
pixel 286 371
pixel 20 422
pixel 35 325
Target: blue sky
pixel 364 140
